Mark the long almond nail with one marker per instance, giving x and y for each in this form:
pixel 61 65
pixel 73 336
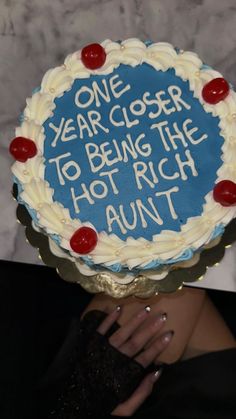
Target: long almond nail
pixel 167 337
pixel 163 317
pixel 143 313
pixel 156 375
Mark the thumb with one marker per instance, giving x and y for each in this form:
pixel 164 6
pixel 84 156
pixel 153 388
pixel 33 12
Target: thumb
pixel 139 396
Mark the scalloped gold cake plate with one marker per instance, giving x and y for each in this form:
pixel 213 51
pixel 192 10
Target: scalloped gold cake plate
pixel 141 286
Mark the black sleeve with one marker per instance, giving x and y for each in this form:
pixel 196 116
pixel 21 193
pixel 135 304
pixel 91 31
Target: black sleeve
pixel 97 376
pixel 199 388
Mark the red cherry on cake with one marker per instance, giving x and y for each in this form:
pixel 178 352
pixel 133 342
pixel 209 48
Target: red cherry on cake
pixel 215 90
pixel 22 149
pixel 225 193
pixel 84 240
pixel 93 56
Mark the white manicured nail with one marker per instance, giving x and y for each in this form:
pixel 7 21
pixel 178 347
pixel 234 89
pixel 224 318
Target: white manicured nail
pixel 156 375
pixel 167 337
pixel 147 309
pixel 163 317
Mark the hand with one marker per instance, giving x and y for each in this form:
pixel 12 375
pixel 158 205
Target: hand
pixel 133 340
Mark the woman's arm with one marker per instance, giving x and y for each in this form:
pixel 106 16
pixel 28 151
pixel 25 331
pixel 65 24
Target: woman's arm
pixel 210 333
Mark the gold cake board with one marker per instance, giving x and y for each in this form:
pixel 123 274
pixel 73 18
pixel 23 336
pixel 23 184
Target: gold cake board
pixel 141 286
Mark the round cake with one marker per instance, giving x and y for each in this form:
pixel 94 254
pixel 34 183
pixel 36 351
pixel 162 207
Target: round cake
pixel 125 158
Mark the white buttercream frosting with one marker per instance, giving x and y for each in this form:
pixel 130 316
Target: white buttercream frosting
pixel 55 219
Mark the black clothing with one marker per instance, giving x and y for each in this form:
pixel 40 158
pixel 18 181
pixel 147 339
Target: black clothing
pixel 97 372
pixel 39 325
pixel 199 388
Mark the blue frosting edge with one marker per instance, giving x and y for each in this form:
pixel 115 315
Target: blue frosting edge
pixel 155 264
pixel 118 267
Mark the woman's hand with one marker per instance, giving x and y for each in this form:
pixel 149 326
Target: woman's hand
pixel 133 339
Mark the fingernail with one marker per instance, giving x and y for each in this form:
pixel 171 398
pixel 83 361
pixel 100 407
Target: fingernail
pixel 144 312
pixel 156 375
pixel 163 317
pixel 118 308
pixel 168 336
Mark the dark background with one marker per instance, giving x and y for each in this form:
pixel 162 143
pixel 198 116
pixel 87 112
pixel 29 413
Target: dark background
pixel 36 308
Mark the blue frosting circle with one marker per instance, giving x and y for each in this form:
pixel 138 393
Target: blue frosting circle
pixel 161 167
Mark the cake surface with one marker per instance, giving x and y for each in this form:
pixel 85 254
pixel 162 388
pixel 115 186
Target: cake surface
pixel 129 162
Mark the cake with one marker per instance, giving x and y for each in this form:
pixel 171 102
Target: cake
pixel 125 158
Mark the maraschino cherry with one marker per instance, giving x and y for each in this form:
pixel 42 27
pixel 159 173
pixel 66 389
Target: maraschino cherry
pixel 93 56
pixel 225 193
pixel 84 240
pixel 215 90
pixel 22 149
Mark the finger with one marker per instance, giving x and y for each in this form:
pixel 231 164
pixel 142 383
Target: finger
pixel 121 335
pixel 146 357
pixel 142 336
pixel 109 320
pixel 129 407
